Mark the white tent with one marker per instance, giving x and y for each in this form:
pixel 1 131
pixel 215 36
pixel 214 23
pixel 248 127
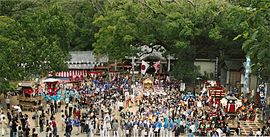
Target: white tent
pixel 50 80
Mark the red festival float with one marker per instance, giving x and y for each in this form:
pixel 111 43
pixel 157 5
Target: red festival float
pixel 52 87
pixel 215 91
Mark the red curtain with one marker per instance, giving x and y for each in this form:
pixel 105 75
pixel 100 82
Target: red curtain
pixel 28 91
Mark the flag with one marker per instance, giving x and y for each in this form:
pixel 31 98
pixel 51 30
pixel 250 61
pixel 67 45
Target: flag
pixel 144 67
pixel 157 66
pixel 169 63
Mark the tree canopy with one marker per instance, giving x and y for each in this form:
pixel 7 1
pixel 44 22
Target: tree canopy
pixel 34 44
pixel 256 15
pixel 184 28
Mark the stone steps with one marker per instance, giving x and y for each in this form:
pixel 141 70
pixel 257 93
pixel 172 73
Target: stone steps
pixel 247 125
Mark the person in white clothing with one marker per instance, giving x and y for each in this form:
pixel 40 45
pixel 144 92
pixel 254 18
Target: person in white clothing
pixel 91 129
pixel 4 124
pixel 8 102
pixel 170 132
pixel 107 128
pixel 2 116
pixel 162 130
pixel 102 133
pixel 220 132
pixel 151 131
pixel 258 133
pixel 104 129
pixel 96 125
pixel 135 129
pixel 192 128
pixel 143 132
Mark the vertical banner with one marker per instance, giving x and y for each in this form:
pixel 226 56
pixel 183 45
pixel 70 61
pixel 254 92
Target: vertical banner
pixel 262 91
pixel 247 71
pixel 216 69
pixel 169 63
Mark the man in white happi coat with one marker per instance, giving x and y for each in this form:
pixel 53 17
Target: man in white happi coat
pixel 151 130
pixel 101 128
pixel 171 128
pixel 162 130
pixel 90 123
pixel 107 125
pixel 135 128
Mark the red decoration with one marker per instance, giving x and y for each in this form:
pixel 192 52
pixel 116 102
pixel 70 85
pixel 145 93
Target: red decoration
pixel 143 67
pixel 28 91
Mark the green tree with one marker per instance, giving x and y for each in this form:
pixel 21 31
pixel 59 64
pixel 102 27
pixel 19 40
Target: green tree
pixel 50 33
pixel 16 8
pixel 183 28
pixel 255 15
pixel 83 14
pixel 10 58
pixel 37 43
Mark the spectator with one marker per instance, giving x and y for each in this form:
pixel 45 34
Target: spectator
pixel 20 132
pixel 41 123
pixel 8 102
pixel 34 133
pixel 4 124
pixel 258 133
pixel 250 132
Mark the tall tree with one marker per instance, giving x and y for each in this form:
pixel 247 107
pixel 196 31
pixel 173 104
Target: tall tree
pixel 10 55
pixel 37 43
pixel 255 14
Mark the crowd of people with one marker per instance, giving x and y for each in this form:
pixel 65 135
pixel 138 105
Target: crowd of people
pixel 122 107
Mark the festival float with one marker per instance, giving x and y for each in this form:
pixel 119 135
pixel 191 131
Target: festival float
pixel 52 85
pixel 28 98
pixel 215 91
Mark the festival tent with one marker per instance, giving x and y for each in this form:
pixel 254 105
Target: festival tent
pixel 50 80
pixel 71 73
pixel 95 73
pixel 63 79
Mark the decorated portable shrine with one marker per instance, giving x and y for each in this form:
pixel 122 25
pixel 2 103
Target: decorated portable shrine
pixel 238 107
pixel 232 105
pixel 52 85
pixel 148 84
pixel 215 90
pixel 27 88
